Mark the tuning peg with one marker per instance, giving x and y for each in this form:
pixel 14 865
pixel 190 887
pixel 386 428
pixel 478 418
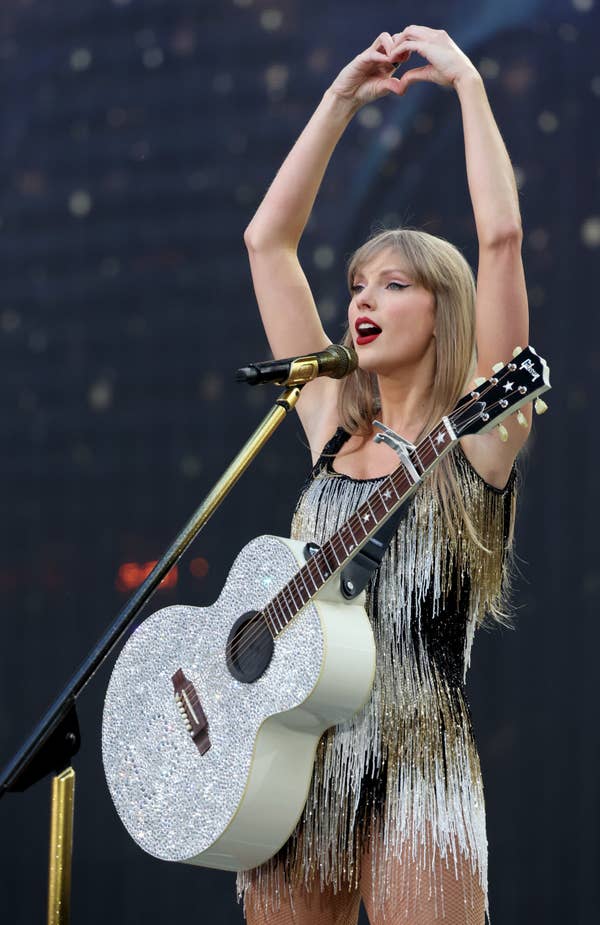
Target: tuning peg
pixel 517 351
pixel 497 367
pixel 540 406
pixel 521 419
pixel 479 381
pixel 502 433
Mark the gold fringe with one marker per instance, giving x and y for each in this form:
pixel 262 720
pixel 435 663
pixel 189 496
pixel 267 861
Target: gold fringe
pixel 403 776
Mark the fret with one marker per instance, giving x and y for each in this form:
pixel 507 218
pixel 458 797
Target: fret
pixel 314 560
pixel 365 516
pixel 309 571
pixel 295 592
pixel 419 460
pixel 352 543
pixel 354 540
pixel 381 498
pixel 326 560
pixel 358 523
pixel 375 517
pixel 427 454
pixel 316 583
pixel 283 597
pixel 269 623
pixel 339 533
pixel 387 494
pixel 422 448
pixel 275 618
pixel 432 444
pixel 399 484
pixel 297 600
pixel 324 551
pixel 308 594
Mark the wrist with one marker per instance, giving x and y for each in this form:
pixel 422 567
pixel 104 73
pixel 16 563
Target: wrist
pixel 468 79
pixel 340 106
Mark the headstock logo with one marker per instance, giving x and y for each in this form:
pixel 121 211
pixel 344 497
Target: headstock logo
pixel 528 365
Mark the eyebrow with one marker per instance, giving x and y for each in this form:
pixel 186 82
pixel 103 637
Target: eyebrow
pixel 387 272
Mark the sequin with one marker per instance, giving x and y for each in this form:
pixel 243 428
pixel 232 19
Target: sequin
pixel 407 763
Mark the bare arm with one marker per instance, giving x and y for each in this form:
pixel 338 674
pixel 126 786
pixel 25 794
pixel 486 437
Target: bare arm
pixel 502 311
pixel 502 305
pixel 286 304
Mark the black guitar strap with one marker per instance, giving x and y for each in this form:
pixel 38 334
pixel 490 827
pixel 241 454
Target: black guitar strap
pixel 365 563
pixel 356 574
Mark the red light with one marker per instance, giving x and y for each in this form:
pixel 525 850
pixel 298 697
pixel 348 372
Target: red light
pixel 199 567
pixel 131 575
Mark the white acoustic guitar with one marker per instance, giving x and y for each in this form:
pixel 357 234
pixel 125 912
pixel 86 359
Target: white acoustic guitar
pixel 213 715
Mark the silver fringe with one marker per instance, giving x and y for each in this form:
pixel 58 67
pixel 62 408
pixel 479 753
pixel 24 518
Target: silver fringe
pixel 403 776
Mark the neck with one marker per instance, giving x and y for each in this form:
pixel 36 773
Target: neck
pixel 405 396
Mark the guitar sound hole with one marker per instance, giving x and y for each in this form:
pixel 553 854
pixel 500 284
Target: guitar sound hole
pixel 249 647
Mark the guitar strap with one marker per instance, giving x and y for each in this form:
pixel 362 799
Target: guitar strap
pixel 356 574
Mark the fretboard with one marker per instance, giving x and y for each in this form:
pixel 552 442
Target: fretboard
pixel 333 555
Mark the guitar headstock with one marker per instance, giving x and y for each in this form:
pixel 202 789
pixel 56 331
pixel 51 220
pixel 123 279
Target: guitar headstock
pixel 514 384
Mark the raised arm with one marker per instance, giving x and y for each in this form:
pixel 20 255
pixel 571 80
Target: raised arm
pixel 502 310
pixel 286 304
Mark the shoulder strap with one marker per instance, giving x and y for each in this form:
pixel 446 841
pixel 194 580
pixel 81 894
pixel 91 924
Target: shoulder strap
pixel 331 448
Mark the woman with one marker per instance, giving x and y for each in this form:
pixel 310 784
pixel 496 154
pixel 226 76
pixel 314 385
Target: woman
pixel 395 812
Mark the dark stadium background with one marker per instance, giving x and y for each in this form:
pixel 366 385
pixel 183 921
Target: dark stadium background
pixel 137 138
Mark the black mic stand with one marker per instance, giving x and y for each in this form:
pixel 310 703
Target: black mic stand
pixel 56 739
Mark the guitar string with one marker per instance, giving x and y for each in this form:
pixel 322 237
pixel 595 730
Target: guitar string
pixel 256 627
pixel 252 640
pixel 252 634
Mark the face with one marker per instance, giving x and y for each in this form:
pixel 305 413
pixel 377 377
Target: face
pixel 391 318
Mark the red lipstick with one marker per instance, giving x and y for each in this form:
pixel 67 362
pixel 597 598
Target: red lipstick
pixel 366 330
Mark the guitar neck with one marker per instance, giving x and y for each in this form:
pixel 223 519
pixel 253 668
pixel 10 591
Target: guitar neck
pixel 334 554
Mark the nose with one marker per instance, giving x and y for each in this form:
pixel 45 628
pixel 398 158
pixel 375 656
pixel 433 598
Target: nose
pixel 364 298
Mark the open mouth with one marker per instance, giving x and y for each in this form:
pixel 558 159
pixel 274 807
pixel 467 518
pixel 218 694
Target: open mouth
pixel 366 331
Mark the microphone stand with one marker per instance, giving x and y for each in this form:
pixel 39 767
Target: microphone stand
pixel 56 738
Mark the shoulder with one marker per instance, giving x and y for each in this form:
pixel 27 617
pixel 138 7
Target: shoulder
pixel 319 415
pixel 465 470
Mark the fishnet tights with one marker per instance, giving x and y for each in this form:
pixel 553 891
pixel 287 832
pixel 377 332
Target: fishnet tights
pixel 457 900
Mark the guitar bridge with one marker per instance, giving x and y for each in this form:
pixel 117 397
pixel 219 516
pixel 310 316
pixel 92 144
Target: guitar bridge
pixel 190 709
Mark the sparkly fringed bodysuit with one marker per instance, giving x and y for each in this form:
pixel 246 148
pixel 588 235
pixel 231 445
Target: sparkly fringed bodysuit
pixel 403 776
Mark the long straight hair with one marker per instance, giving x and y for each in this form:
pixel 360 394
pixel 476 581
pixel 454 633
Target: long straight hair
pixel 440 268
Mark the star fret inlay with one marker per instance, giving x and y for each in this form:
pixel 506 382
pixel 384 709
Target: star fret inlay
pixel 440 437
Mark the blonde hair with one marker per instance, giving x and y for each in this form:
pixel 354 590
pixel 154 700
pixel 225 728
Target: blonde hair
pixel 440 268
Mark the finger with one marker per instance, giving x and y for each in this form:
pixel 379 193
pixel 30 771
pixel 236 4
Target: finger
pixel 392 84
pixel 415 75
pixel 409 45
pixel 399 58
pixel 375 57
pixel 383 41
pixel 423 32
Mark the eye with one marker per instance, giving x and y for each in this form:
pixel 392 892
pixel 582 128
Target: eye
pixel 356 287
pixel 399 285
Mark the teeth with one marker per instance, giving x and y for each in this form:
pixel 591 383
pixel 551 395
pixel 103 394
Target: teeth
pixel 367 329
